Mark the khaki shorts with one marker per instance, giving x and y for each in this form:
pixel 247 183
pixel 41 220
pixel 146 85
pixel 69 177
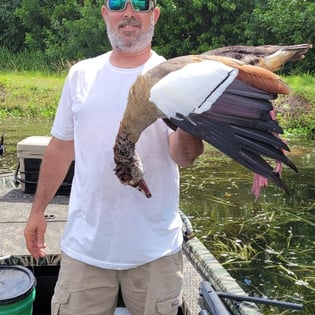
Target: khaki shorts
pixel 151 289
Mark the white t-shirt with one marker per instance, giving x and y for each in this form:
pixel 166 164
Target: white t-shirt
pixel 111 225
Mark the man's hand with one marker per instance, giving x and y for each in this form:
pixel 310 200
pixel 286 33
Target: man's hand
pixel 34 234
pixel 184 148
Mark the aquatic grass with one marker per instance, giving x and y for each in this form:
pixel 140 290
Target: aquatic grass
pixel 268 244
pixel 234 251
pixel 297 277
pixel 292 217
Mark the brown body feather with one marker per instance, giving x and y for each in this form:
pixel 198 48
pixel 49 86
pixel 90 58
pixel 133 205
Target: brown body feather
pixel 257 77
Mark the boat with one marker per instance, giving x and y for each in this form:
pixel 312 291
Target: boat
pixel 199 264
pixel 208 287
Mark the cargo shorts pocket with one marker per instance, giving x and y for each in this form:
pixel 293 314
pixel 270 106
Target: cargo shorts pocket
pixel 170 306
pixel 59 300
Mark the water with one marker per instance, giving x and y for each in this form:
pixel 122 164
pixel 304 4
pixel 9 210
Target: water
pixel 267 245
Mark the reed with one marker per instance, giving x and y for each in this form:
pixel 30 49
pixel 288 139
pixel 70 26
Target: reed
pixel 22 61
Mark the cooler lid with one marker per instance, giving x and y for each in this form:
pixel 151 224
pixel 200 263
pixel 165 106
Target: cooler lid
pixel 34 145
pixel 15 283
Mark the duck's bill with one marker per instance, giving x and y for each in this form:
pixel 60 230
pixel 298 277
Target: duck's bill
pixel 143 187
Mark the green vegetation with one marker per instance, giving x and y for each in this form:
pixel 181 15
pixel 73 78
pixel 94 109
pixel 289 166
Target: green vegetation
pixel 40 39
pixel 302 85
pixel 296 112
pixel 28 93
pixel 30 61
pixel 63 30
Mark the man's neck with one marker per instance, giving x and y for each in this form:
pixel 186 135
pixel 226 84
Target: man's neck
pixel 130 60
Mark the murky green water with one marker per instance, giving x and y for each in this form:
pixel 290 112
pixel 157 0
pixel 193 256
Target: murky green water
pixel 267 245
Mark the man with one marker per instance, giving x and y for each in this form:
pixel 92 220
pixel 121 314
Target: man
pixel 114 236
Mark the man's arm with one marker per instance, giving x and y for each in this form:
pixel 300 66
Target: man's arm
pixel 184 148
pixel 54 167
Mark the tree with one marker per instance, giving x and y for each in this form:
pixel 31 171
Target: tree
pixel 200 25
pixel 12 30
pixel 74 29
pixel 284 22
pixel 76 38
pixel 63 29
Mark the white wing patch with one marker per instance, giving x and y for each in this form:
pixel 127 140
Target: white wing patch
pixel 193 88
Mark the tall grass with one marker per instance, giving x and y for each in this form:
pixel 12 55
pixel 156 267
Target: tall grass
pixel 30 61
pixel 23 61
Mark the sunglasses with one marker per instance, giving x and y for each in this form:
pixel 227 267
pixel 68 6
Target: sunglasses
pixel 137 5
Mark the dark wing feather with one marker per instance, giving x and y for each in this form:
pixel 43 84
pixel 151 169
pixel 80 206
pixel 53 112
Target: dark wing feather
pixel 239 124
pixel 246 106
pixel 261 136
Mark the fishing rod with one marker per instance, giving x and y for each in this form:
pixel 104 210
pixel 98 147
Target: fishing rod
pixel 260 300
pixel 217 307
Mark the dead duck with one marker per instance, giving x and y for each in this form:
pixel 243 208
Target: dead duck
pixel 223 101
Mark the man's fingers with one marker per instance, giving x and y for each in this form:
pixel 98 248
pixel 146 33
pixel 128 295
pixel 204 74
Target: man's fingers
pixel 35 242
pixel 41 238
pixel 41 244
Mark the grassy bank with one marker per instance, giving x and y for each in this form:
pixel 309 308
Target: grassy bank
pixel 29 94
pixel 296 112
pixel 36 94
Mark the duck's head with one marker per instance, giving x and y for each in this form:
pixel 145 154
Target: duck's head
pixel 129 168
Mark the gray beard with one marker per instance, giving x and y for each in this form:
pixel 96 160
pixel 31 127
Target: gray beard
pixel 132 44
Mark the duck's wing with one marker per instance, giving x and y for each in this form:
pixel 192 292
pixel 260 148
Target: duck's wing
pixel 240 125
pixel 229 106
